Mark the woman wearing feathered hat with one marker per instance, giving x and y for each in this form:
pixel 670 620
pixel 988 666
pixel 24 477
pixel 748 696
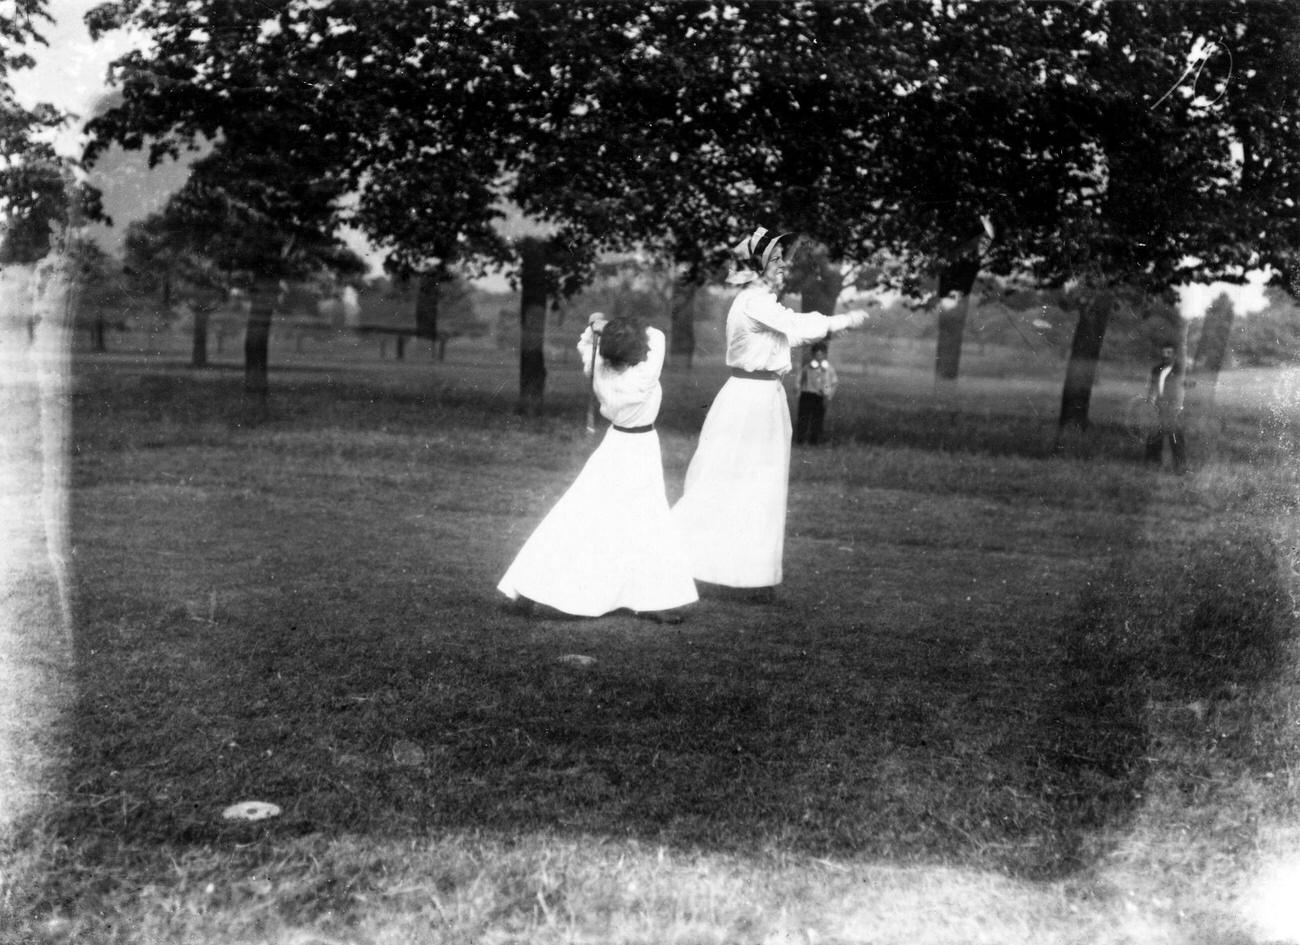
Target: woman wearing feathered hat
pixel 732 512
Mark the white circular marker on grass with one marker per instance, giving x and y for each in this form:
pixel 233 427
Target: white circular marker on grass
pixel 251 810
pixel 408 753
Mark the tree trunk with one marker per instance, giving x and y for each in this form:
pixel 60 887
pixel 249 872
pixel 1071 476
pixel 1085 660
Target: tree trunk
pixel 682 309
pixel 819 280
pixel 257 342
pixel 1081 370
pixel 956 281
pixel 532 326
pixel 820 291
pixel 199 354
pixel 427 293
pixel 1212 349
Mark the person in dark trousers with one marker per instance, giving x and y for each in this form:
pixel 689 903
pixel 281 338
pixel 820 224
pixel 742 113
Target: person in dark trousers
pixel 817 382
pixel 1165 395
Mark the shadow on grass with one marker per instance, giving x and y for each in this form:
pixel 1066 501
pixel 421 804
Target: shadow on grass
pixel 1193 633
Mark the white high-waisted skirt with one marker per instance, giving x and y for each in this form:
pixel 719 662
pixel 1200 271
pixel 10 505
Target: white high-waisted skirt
pixel 609 542
pixel 732 510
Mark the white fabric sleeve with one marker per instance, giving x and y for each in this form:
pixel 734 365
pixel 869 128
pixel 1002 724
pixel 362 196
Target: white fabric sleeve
pixel 654 359
pixel 842 322
pixel 586 342
pixel 800 327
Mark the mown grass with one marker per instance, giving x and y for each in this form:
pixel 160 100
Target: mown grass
pixel 1001 697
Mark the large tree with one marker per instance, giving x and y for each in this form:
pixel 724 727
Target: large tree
pixel 407 105
pixel 681 126
pixel 1198 155
pixel 224 231
pixel 241 80
pixel 1139 144
pixel 489 100
pixel 1110 144
pixel 1101 149
pixel 161 257
pixel 245 221
pixel 38 194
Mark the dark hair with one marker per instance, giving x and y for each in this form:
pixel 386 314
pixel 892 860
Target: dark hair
pixel 623 341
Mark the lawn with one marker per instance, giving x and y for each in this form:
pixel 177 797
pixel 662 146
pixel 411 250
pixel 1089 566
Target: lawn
pixel 1003 696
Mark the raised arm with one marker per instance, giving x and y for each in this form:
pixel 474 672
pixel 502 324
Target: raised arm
pixel 801 327
pixel 654 359
pixel 587 341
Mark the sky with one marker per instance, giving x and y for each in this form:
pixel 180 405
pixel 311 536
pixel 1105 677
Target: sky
pixel 71 73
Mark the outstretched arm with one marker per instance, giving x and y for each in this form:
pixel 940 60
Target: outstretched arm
pixel 802 327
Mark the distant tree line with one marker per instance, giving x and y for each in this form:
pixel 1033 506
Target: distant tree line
pixel 1124 148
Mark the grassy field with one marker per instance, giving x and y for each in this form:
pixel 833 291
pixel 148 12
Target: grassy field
pixel 1001 697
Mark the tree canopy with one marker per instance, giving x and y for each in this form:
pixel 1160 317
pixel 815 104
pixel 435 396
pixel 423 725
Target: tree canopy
pixel 1141 143
pixel 1129 138
pixel 254 218
pixel 35 188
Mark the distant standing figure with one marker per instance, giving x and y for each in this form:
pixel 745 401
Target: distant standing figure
pixel 1165 394
pixel 732 510
pixel 817 381
pixel 609 543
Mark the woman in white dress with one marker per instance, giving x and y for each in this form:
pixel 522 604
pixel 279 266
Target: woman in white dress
pixel 732 510
pixel 610 543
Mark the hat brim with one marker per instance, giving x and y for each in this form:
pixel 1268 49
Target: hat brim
pixel 759 247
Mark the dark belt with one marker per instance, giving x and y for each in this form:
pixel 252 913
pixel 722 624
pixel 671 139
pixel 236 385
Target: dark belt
pixel 755 375
pixel 645 429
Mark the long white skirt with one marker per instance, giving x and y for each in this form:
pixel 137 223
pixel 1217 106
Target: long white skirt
pixel 609 542
pixel 732 510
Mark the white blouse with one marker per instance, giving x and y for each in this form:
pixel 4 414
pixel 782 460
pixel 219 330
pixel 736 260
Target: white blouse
pixel 630 394
pixel 761 331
